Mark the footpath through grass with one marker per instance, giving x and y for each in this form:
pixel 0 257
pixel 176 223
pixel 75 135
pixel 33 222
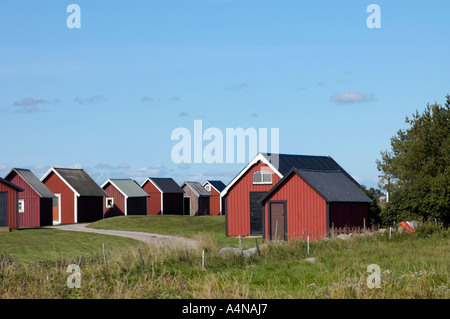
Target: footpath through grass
pixel 185 226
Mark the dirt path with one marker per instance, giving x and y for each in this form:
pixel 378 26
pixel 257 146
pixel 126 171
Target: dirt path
pixel 149 238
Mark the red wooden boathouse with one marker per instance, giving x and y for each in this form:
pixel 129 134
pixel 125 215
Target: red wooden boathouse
pixel 242 196
pixel 166 196
pixel 215 187
pixel 35 202
pixel 307 202
pixel 9 212
pixel 79 197
pixel 125 197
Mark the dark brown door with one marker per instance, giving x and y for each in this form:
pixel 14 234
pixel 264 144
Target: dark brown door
pixel 277 212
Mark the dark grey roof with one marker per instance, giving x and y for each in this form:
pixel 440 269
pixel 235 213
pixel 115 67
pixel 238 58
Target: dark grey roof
pixel 40 188
pixel 287 161
pixel 219 185
pixel 332 185
pixel 129 187
pixel 4 181
pixel 198 189
pixel 166 184
pixel 81 182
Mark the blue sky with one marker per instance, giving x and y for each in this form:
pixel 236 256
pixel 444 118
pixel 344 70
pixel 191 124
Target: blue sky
pixel 107 96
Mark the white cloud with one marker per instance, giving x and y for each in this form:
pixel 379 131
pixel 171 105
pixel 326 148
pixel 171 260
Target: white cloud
pixel 352 97
pixel 31 105
pixel 238 86
pixel 183 166
pixel 89 100
pixel 77 166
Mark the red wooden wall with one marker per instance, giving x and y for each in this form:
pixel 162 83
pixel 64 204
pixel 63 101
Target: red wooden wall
pixel 119 201
pixel 214 202
pixel 306 210
pixel 154 201
pixel 11 205
pixel 238 200
pixel 57 186
pixel 31 215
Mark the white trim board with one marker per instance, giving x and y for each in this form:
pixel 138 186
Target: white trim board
pixel 57 174
pixel 258 158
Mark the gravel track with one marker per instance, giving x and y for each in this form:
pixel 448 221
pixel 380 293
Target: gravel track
pixel 149 238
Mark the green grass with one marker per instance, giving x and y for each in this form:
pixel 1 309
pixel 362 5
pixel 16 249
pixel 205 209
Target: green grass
pixel 185 226
pixel 412 266
pixel 39 244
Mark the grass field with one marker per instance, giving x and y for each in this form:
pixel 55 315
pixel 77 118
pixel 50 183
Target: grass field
pixel 412 266
pixel 40 244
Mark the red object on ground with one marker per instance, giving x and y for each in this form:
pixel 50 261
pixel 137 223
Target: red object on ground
pixel 407 227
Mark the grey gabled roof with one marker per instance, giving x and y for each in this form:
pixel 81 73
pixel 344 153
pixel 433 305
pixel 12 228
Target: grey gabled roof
pixel 219 185
pixel 128 187
pixel 40 188
pixel 4 181
pixel 198 189
pixel 313 162
pixel 332 185
pixel 79 180
pixel 165 184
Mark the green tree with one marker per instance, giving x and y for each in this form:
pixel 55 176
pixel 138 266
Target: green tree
pixel 418 167
pixel 374 207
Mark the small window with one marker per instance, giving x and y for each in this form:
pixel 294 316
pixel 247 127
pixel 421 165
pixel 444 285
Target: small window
pixel 21 204
pixel 208 187
pixel 109 202
pixel 262 177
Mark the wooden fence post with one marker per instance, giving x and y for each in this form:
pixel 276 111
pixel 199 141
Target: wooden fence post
pixel 203 259
pixel 140 255
pixel 186 256
pixel 257 247
pixel 332 230
pixel 104 257
pixel 276 232
pixel 307 245
pixel 240 245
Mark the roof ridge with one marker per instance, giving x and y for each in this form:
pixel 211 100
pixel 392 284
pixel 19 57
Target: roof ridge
pixel 296 155
pixel 334 170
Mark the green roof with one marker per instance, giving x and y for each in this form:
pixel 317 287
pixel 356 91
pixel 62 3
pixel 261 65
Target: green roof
pixel 128 187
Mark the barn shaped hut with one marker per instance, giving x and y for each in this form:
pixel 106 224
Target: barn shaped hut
pixel 215 187
pixel 196 199
pixel 35 202
pixel 78 197
pixel 307 202
pixel 242 197
pixel 9 209
pixel 166 196
pixel 125 197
